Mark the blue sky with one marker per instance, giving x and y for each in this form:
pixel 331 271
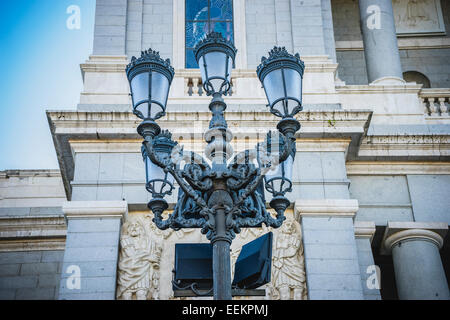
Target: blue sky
pixel 40 62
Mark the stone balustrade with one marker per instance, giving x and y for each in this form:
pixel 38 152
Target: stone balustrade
pixel 435 102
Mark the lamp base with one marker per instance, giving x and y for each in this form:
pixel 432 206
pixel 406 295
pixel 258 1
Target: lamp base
pixel 280 204
pixel 148 128
pixel 158 206
pixel 288 127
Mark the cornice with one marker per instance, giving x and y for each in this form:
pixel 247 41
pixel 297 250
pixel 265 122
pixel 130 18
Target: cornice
pixel 95 209
pixel 396 167
pixel 411 88
pixel 415 43
pixel 326 207
pixel 406 147
pixel 32 233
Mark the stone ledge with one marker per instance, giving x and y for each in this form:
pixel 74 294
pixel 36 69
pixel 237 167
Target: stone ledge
pixel 326 208
pixel 95 209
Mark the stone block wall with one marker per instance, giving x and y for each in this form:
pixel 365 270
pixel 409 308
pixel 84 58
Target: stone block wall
pixel 30 275
pixel 261 29
pixel 110 27
pixel 413 196
pixel 331 260
pixel 92 246
pixel 149 25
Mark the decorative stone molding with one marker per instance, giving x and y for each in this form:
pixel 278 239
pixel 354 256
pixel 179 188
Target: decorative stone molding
pixel 32 233
pixel 365 229
pixel 326 208
pixel 406 231
pixel 394 88
pixel 403 44
pixel 405 147
pixel 145 250
pixel 33 245
pixel 98 63
pixel 396 168
pixel 95 209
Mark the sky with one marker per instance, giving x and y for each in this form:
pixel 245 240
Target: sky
pixel 42 46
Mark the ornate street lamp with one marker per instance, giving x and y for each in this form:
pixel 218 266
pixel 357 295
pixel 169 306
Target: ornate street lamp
pixel 223 195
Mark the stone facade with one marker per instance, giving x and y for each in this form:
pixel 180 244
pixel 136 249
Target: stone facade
pixel 371 173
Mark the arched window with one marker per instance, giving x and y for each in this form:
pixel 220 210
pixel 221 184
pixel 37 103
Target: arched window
pixel 202 17
pixel 417 77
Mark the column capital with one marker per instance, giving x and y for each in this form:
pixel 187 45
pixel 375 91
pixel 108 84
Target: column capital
pixel 401 231
pixel 326 208
pixel 94 209
pixel 365 229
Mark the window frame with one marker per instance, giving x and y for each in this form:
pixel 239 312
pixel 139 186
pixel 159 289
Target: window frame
pixel 208 21
pixel 179 36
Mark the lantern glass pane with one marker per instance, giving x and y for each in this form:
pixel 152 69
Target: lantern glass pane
pixel 216 68
pixel 274 172
pixel 230 67
pixel 201 64
pixel 139 87
pixel 288 167
pixel 153 171
pixel 276 175
pixel 273 83
pixel 160 88
pixel 293 87
pixel 157 178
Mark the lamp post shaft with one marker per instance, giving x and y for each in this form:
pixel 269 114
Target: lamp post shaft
pixel 221 266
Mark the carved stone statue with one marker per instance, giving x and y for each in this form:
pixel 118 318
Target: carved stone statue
pixel 139 262
pixel 288 263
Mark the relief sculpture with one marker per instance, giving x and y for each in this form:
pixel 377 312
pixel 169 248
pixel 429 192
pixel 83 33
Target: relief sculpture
pixel 143 254
pixel 289 278
pixel 139 261
pixel 418 16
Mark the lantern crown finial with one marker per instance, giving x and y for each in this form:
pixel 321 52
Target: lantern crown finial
pixel 152 57
pixel 278 54
pixel 215 39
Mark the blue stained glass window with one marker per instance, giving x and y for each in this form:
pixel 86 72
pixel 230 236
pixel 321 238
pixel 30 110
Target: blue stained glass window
pixel 203 16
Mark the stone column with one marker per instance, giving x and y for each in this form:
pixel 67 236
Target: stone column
pixel 419 272
pixel 380 41
pixel 370 276
pixel 331 257
pixel 92 249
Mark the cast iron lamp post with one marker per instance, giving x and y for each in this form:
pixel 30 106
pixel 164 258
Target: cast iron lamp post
pixel 223 195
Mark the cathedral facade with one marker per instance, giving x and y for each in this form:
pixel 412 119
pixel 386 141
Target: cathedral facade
pixel 370 205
